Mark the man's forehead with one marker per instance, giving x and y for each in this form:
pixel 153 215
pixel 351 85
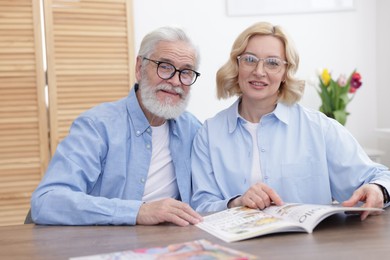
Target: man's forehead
pixel 175 51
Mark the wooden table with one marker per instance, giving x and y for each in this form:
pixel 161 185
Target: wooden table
pixel 337 237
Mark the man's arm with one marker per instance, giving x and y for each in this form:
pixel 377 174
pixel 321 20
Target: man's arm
pixel 63 196
pixel 61 206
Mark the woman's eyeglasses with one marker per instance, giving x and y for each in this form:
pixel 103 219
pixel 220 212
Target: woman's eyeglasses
pixel 271 65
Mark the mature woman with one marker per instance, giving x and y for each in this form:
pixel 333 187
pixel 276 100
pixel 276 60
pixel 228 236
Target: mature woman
pixel 266 148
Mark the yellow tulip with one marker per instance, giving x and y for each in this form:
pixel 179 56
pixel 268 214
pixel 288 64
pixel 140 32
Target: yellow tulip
pixel 325 77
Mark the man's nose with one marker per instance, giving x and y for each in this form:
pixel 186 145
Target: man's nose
pixel 175 80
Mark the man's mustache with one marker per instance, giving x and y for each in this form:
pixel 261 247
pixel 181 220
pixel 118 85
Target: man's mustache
pixel 177 90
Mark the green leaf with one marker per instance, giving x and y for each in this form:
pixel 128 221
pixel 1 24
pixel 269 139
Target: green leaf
pixel 341 116
pixel 344 100
pixel 326 99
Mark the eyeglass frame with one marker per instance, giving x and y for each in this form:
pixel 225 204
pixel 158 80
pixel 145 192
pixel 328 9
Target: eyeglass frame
pixel 263 60
pixel 197 74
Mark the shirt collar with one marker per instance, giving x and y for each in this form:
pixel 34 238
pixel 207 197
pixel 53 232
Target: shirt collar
pixel 233 116
pixel 135 113
pixel 281 113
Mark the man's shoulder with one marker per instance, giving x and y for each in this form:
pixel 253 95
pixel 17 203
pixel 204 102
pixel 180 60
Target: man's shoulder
pixel 106 115
pixel 187 118
pixel 107 110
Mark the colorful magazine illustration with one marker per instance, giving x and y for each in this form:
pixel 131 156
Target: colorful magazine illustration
pixel 193 250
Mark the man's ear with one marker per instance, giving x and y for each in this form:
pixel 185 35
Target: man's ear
pixel 138 66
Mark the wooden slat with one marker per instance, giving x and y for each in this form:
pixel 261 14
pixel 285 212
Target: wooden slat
pixel 23 115
pixel 13 209
pixel 91 58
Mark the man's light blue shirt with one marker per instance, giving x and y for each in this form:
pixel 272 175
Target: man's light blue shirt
pixel 99 171
pixel 304 156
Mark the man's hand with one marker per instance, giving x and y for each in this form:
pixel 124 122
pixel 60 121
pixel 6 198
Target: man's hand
pixel 167 210
pixel 372 197
pixel 259 196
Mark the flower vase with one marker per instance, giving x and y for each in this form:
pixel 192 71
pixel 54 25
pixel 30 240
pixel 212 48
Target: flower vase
pixel 339 115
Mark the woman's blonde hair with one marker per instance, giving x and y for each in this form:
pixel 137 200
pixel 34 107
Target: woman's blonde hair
pixel 290 90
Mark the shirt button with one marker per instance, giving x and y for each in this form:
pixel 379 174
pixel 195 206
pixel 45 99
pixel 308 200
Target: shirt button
pixel 143 180
pixel 148 146
pixel 266 177
pixel 148 130
pixel 138 132
pixel 263 150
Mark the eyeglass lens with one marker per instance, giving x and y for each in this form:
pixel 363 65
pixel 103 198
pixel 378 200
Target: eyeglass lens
pixel 167 71
pixel 270 65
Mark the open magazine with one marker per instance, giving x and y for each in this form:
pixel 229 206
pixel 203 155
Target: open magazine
pixel 241 223
pixel 197 249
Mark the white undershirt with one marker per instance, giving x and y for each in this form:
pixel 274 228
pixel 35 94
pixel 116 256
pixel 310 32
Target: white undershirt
pixel 161 182
pixel 256 175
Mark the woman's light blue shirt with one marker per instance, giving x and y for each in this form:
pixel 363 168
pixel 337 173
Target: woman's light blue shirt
pixel 99 171
pixel 304 156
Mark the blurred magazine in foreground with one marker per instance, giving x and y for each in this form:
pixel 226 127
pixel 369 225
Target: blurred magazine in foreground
pixel 241 223
pixel 195 250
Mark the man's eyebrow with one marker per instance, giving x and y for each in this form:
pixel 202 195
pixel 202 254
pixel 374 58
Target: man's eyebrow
pixel 187 66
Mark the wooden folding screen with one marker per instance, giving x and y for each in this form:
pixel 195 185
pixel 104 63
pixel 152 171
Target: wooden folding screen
pixel 90 57
pixel 23 115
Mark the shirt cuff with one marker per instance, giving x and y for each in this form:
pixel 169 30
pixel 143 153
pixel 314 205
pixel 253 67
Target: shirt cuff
pixel 126 212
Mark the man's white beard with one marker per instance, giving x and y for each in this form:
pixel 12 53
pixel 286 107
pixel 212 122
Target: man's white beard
pixel 164 108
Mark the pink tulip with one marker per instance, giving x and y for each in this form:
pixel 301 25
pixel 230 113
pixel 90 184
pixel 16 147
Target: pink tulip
pixel 342 80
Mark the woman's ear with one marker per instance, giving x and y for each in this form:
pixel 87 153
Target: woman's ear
pixel 281 86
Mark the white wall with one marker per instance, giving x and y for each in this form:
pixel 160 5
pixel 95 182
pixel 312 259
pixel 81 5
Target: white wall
pixel 383 83
pixel 339 41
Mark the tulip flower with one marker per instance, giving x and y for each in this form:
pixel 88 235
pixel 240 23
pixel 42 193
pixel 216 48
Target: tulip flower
pixel 335 95
pixel 342 80
pixel 325 77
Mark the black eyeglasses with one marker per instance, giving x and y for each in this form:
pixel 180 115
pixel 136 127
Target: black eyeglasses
pixel 166 71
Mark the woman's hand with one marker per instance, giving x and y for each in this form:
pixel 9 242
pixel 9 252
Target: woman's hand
pixel 259 196
pixel 372 197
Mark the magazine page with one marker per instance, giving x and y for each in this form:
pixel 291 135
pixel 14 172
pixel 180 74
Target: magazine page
pixel 198 249
pixel 309 215
pixel 241 223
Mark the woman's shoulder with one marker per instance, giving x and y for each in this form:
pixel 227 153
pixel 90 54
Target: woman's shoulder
pixel 224 115
pixel 303 115
pixel 309 113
